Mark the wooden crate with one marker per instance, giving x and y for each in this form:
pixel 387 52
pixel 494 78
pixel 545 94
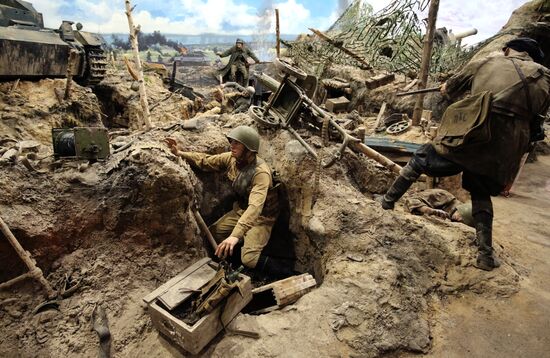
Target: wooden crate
pixel 177 292
pixel 335 105
pixel 282 293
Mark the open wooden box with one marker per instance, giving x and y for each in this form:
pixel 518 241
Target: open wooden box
pixel 177 292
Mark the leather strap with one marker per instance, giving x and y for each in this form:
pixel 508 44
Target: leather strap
pixel 525 86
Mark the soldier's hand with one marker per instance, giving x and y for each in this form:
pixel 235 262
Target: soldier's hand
pixel 225 248
pixel 443 89
pixel 437 212
pixel 172 145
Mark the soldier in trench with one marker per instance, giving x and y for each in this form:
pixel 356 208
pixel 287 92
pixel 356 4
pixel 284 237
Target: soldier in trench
pixel 488 155
pixel 243 232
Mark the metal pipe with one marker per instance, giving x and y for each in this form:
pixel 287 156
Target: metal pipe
pixel 302 141
pixel 267 81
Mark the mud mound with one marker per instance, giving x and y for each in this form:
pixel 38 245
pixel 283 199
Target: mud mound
pixel 28 110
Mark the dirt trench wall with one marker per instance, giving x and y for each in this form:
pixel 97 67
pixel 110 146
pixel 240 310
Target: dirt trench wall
pixel 141 194
pixel 381 271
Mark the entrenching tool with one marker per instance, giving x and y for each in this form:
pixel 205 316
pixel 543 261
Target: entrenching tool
pixel 34 271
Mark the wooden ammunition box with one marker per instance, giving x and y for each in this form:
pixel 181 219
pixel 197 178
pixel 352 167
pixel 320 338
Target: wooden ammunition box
pixel 336 105
pixel 178 291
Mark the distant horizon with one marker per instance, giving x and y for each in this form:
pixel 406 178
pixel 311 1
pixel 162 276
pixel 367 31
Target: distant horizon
pixel 253 17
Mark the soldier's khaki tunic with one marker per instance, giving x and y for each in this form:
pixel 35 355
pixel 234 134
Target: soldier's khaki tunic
pixel 432 198
pixel 499 159
pixel 251 221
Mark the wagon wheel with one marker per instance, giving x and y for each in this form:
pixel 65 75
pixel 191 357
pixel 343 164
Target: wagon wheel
pixel 286 67
pixel 398 127
pixel 266 120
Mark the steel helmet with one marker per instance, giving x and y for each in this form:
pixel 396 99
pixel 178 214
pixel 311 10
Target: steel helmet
pixel 239 41
pixel 251 91
pixel 247 136
pixel 465 211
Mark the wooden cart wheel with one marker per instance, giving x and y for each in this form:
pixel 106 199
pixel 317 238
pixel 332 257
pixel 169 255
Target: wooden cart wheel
pixel 266 120
pixel 398 127
pixel 286 67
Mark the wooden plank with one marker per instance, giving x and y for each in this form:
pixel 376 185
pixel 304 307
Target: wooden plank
pixel 181 290
pixel 380 115
pixel 410 85
pixel 165 287
pixel 380 80
pixel 235 303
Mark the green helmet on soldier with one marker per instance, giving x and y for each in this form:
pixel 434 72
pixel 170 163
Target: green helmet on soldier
pixel 247 136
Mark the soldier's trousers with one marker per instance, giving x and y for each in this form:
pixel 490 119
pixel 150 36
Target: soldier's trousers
pixel 254 240
pixel 427 161
pixel 239 67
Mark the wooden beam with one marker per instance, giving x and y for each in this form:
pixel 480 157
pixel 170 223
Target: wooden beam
pixel 426 57
pixel 277 33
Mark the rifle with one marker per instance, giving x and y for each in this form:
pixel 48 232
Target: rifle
pixel 424 90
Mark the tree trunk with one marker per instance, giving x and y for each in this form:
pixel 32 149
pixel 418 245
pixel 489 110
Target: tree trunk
pixel 133 40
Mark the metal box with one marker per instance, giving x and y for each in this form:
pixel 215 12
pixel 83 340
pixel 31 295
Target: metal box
pixel 177 292
pixel 90 143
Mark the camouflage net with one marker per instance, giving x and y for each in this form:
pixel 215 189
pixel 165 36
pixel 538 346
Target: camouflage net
pixel 390 39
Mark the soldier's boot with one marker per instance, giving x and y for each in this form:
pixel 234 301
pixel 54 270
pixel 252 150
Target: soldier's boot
pixel 407 176
pixel 483 218
pixel 275 267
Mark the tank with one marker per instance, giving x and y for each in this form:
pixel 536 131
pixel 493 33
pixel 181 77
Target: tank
pixel 30 51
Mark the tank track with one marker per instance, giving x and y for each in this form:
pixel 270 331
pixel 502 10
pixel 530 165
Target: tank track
pixel 97 65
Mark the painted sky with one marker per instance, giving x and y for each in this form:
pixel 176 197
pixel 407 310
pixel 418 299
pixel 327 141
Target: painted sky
pixel 248 16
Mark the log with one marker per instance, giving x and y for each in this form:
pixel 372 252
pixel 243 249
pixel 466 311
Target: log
pixel 133 40
pixel 426 57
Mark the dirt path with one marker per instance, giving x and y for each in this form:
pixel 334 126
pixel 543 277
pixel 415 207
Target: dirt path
pixel 478 326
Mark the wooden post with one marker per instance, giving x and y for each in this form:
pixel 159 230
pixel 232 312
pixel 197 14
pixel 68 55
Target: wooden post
pixel 133 40
pixel 380 115
pixel 34 271
pixel 277 33
pixel 426 57
pixel 72 59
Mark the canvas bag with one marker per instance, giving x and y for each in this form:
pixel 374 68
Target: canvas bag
pixel 466 123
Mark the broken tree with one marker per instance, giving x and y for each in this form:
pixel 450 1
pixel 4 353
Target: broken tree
pixel 133 40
